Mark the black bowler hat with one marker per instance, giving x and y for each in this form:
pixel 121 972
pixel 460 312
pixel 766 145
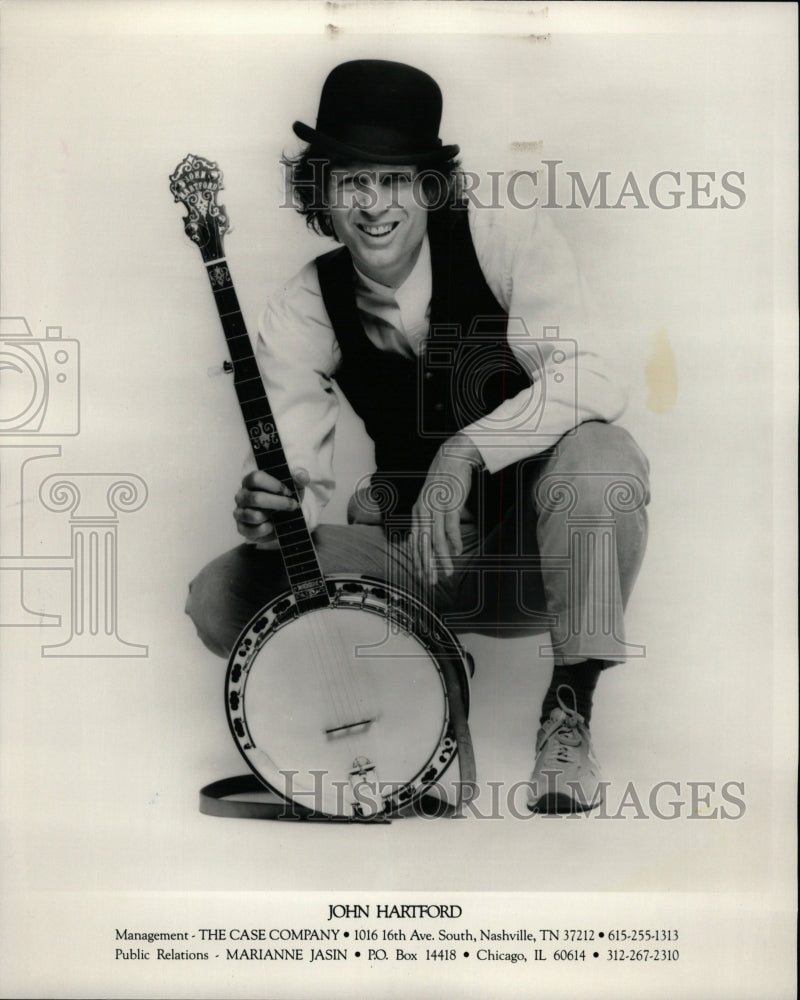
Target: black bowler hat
pixel 379 112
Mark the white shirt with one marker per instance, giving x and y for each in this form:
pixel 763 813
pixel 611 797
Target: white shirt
pixel 532 274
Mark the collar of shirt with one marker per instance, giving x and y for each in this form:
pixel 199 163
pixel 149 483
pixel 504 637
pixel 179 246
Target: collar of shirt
pixel 397 319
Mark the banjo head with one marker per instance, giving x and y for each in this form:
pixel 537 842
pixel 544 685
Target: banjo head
pixel 343 710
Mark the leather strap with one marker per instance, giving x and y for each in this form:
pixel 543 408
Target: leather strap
pixel 215 801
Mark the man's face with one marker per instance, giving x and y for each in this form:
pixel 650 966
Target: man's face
pixel 379 213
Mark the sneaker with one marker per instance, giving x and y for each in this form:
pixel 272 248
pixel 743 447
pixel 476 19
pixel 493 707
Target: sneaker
pixel 566 776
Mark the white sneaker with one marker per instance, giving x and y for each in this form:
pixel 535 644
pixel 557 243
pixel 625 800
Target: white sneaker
pixel 566 775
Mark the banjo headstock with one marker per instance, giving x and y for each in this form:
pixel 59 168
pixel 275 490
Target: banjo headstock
pixel 195 183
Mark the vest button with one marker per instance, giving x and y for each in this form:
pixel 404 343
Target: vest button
pixel 439 407
pixel 428 376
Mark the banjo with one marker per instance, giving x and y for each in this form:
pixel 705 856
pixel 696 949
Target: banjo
pixel 346 695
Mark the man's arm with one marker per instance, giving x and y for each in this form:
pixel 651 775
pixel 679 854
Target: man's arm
pixel 533 273
pixel 297 354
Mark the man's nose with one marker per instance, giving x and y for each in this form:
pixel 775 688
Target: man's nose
pixel 372 197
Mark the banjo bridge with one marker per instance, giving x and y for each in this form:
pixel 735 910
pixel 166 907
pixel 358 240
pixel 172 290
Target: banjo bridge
pixel 348 727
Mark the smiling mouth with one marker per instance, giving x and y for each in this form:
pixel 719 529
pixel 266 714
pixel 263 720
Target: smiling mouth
pixel 382 230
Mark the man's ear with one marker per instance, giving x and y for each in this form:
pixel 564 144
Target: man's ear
pixel 326 215
pixel 426 199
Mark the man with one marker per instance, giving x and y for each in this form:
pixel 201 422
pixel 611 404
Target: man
pixel 502 490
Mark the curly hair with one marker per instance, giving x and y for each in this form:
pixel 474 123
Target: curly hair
pixel 307 174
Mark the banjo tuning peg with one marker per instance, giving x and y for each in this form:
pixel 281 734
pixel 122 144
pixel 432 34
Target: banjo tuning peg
pixel 226 368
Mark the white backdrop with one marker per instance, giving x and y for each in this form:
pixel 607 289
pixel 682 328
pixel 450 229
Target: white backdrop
pixel 103 756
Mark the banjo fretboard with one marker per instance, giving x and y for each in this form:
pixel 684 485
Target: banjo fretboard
pixel 294 539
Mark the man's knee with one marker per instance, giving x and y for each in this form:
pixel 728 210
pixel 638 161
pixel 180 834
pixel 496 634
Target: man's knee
pixel 206 609
pixel 596 446
pixel 227 592
pixel 597 470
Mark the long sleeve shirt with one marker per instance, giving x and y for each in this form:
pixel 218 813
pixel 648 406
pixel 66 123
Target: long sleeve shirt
pixel 533 275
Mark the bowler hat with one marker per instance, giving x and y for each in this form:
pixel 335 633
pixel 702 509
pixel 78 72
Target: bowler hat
pixel 379 112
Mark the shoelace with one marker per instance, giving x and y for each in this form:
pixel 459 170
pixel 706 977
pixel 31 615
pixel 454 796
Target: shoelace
pixel 563 742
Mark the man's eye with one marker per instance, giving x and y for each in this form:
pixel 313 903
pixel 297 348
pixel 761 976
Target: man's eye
pixel 394 180
pixel 349 181
pixel 364 181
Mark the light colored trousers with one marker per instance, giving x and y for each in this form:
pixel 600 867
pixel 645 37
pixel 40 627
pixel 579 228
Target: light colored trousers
pixel 563 559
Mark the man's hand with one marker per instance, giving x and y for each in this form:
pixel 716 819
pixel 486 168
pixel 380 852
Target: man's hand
pixel 435 535
pixel 259 496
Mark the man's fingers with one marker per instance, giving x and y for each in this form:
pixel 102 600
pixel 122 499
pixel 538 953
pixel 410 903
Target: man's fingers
pixel 452 529
pixel 260 498
pixel 427 572
pixel 250 527
pixel 250 516
pixel 264 500
pixel 413 544
pixel 425 549
pixel 441 544
pixel 419 541
pixel 259 480
pixel 260 531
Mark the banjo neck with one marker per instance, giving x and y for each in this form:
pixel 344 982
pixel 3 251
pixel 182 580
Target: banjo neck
pixel 195 183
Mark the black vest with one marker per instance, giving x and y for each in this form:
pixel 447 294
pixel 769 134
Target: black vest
pixel 410 406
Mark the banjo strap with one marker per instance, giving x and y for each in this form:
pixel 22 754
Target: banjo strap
pixel 218 798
